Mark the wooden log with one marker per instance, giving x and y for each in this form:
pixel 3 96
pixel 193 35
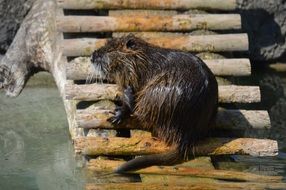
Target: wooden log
pixel 143 146
pixel 94 92
pixel 148 4
pixel 151 23
pixel 81 67
pixel 141 12
pixel 226 119
pixel 180 170
pixel 199 43
pixel 188 186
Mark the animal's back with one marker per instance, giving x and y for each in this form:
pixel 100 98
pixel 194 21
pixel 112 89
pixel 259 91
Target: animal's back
pixel 179 101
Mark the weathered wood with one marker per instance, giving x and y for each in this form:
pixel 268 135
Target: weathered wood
pixel 148 4
pixel 81 67
pixel 142 146
pixel 227 94
pixel 151 23
pixel 188 186
pixel 180 170
pixel 226 119
pixel 199 43
pixel 59 74
pixel 141 12
pixel 31 49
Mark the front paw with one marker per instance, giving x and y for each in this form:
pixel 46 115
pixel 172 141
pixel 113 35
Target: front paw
pixel 118 116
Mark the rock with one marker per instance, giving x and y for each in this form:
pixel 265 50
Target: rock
pixel 265 23
pixel 12 13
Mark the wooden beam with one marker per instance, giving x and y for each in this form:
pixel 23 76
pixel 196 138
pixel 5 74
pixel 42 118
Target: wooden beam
pixel 81 67
pixel 226 119
pixel 149 4
pixel 199 43
pixel 143 146
pixel 151 23
pixel 94 92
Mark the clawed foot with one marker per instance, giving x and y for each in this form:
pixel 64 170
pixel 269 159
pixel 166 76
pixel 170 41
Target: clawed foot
pixel 118 116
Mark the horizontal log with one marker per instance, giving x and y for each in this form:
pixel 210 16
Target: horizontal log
pixel 143 146
pixel 81 67
pixel 98 165
pixel 148 4
pixel 94 92
pixel 226 119
pixel 132 12
pixel 199 43
pixel 150 23
pixel 188 186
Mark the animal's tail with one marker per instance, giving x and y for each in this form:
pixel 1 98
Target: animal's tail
pixel 168 158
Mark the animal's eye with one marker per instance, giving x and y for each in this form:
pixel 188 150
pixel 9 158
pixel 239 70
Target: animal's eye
pixel 130 44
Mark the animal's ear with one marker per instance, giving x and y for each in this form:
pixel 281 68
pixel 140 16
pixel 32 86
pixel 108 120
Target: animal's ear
pixel 130 43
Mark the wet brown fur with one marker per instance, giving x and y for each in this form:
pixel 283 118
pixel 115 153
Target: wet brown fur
pixel 175 93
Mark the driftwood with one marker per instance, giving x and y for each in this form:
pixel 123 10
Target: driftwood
pixel 32 48
pixel 93 92
pixel 226 119
pixel 188 186
pixel 80 68
pixel 180 170
pixel 149 4
pixel 151 23
pixel 211 43
pixel 142 146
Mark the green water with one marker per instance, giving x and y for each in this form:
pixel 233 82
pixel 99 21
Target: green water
pixel 35 148
pixel 36 152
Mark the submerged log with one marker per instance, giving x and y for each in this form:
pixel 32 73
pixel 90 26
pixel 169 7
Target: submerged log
pixel 149 4
pixel 227 94
pixel 143 146
pixel 226 119
pixel 151 23
pixel 81 68
pixel 188 186
pixel 180 170
pixel 211 43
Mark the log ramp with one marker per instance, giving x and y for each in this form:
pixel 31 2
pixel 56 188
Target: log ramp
pixel 65 32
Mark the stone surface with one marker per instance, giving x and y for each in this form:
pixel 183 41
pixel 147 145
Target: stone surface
pixel 265 23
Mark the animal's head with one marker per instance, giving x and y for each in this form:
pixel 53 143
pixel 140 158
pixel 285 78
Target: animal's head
pixel 121 58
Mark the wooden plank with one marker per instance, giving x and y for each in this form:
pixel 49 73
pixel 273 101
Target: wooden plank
pixel 81 68
pixel 143 146
pixel 211 43
pixel 94 92
pixel 151 23
pixel 226 119
pixel 148 4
